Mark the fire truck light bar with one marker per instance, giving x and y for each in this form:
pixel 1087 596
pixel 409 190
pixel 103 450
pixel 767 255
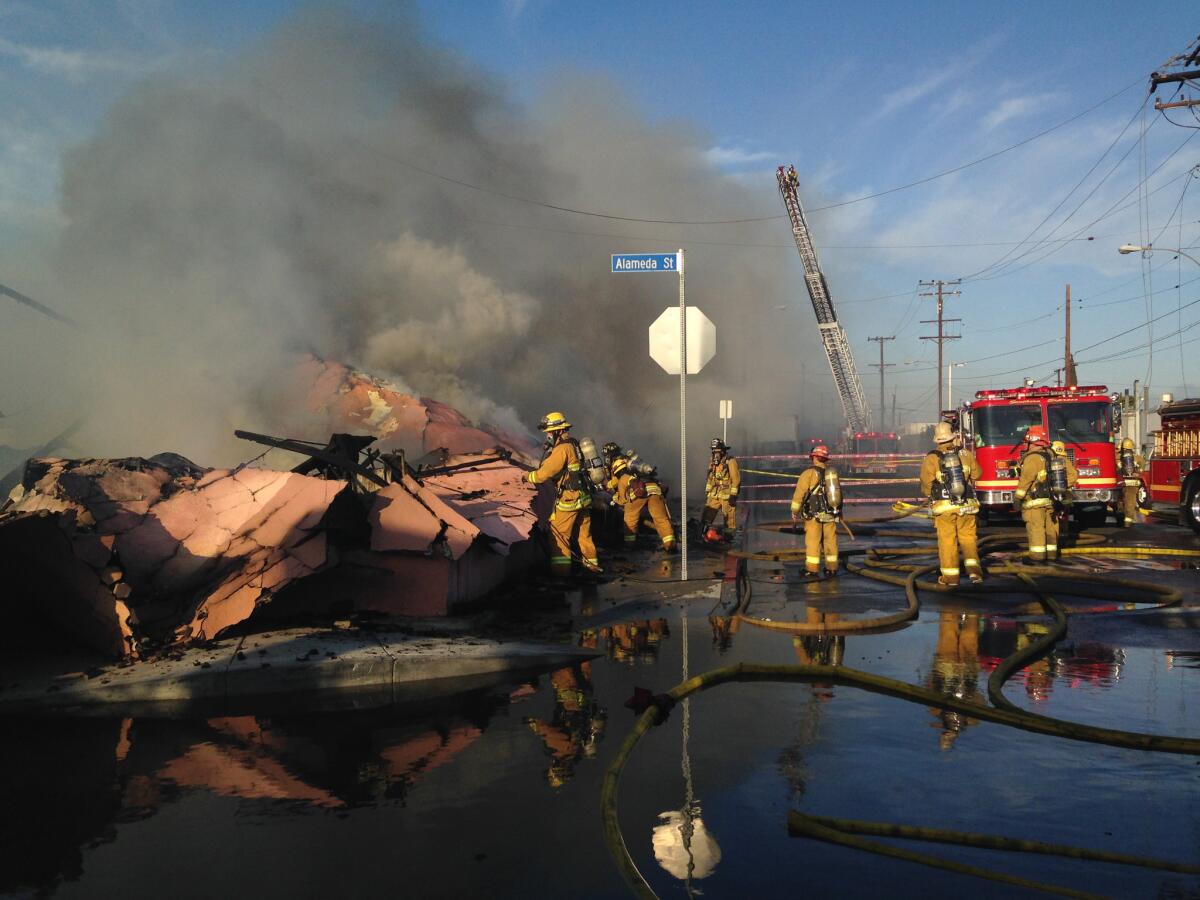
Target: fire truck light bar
pixel 1025 393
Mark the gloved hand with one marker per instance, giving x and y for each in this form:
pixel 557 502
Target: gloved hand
pixel 733 502
pixel 1016 507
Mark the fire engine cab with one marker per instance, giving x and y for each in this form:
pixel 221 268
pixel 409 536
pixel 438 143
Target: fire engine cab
pixel 993 426
pixel 874 452
pixel 1175 465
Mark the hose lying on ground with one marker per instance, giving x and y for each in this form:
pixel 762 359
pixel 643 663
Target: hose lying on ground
pixel 1003 712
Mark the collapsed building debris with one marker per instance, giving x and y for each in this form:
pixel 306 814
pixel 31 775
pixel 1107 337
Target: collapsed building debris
pixel 132 556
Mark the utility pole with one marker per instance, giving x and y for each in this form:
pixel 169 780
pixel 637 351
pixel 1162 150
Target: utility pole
pixel 941 337
pixel 1069 375
pixel 895 421
pixel 881 365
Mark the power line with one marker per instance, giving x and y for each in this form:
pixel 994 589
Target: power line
pixel 392 157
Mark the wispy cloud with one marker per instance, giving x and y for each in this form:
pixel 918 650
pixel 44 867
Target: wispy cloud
pixel 1016 107
pixel 737 157
pixel 58 61
pixel 923 87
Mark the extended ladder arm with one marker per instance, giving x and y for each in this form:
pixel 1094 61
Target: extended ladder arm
pixel 837 348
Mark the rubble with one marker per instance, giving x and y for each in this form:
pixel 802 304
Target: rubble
pixel 134 556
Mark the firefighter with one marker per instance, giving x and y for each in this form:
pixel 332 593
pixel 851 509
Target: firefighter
pixel 721 492
pixel 576 725
pixel 637 493
pixel 948 476
pixel 1130 466
pixel 571 521
pixel 812 502
pixel 1063 500
pixel 1034 496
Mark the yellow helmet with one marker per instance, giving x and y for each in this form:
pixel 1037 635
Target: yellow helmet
pixel 1127 444
pixel 943 433
pixel 554 421
pixel 1059 448
pixel 620 464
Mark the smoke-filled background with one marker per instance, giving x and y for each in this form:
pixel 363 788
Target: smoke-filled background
pixel 222 221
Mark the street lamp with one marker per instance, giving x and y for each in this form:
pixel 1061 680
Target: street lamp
pixel 1149 248
pixel 950 367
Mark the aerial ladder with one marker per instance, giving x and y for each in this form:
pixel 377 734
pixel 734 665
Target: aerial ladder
pixel 837 348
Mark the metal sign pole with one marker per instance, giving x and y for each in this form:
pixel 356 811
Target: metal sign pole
pixel 683 539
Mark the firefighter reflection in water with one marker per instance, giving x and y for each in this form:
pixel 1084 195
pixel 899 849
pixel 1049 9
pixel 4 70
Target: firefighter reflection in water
pixel 948 476
pixel 1041 477
pixel 955 672
pixel 637 493
pixel 720 493
pixel 1064 499
pixel 630 642
pixel 820 649
pixel 1130 466
pixel 571 522
pixel 576 725
pixel 817 500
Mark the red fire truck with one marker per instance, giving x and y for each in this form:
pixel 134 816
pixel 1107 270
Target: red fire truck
pixel 1082 417
pixel 1175 465
pixel 874 452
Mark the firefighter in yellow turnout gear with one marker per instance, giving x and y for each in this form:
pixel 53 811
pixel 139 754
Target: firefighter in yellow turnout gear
pixel 571 521
pixel 1035 494
pixel 1064 499
pixel 812 502
pixel 948 477
pixel 637 493
pixel 721 489
pixel 1130 466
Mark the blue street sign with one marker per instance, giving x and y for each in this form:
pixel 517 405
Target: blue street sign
pixel 644 262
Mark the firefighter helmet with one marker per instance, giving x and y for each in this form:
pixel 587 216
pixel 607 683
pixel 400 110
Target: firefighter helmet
pixel 820 451
pixel 620 464
pixel 1127 444
pixel 611 449
pixel 719 445
pixel 943 433
pixel 1059 448
pixel 1036 435
pixel 554 421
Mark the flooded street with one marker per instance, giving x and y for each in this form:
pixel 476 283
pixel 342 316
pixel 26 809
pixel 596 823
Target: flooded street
pixel 496 791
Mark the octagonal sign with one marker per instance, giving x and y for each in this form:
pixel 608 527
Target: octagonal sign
pixel 701 340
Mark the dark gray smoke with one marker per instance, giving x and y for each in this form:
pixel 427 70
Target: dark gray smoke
pixel 220 222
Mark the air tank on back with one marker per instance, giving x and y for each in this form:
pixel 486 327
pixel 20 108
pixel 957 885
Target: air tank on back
pixel 952 472
pixel 833 489
pixel 593 462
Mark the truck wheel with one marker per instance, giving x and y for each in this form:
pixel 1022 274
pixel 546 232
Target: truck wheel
pixel 1191 505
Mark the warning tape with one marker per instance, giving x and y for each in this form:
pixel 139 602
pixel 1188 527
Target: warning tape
pixel 845 500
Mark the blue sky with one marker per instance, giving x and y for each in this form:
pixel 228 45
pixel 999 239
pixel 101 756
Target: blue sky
pixel 861 96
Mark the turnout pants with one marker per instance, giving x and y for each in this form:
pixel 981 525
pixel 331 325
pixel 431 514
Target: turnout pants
pixel 571 528
pixel 636 509
pixel 956 533
pixel 1041 528
pixel 714 507
pixel 816 535
pixel 1129 501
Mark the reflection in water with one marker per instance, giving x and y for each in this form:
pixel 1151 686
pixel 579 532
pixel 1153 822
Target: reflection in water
pixel 684 846
pixel 575 726
pixel 1069 664
pixel 955 672
pixel 80 777
pixel 820 649
pixel 723 630
pixel 631 642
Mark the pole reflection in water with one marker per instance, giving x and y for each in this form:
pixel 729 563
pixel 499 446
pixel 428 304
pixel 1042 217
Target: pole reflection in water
pixel 682 844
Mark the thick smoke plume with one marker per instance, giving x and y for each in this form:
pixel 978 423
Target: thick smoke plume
pixel 220 222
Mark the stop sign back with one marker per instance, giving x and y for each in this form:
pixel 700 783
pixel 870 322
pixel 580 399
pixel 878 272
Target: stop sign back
pixel 701 340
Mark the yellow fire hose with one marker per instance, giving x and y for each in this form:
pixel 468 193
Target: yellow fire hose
pixel 1002 712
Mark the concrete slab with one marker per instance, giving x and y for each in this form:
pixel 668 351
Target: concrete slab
pixel 308 667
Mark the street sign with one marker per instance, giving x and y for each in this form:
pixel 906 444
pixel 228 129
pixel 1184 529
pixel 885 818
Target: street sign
pixel 645 262
pixel 726 409
pixel 701 340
